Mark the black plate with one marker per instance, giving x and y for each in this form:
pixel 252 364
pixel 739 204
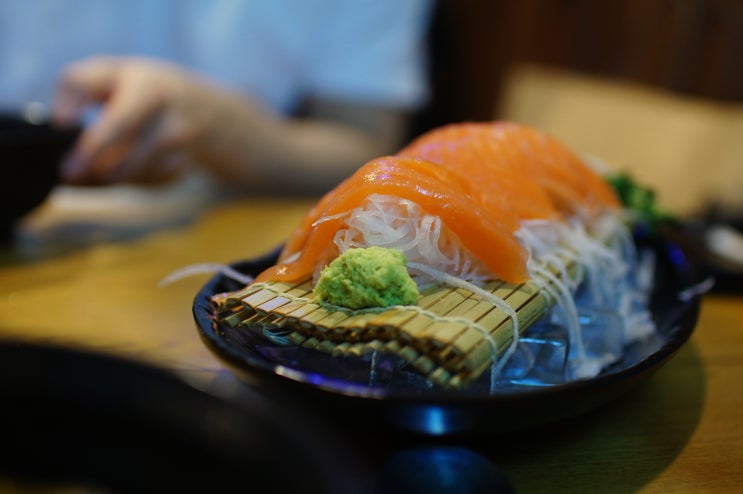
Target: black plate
pixel 99 423
pixel 314 378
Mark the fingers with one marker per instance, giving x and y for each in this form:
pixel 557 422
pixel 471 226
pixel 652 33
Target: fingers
pixel 145 158
pixel 154 157
pixel 151 110
pixel 131 112
pixel 81 84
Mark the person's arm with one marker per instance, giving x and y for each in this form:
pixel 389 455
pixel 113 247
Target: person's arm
pixel 158 119
pixel 261 150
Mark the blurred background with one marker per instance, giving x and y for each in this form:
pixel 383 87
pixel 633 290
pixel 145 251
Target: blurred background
pixel 652 87
pixel 690 47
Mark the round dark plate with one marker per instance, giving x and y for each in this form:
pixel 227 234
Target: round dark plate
pixel 336 386
pixel 99 423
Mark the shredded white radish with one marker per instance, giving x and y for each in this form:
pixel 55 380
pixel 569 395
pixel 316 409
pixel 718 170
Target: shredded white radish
pixel 700 288
pixel 400 224
pixel 205 268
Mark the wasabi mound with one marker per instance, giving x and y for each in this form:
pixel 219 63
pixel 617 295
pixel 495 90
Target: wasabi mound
pixel 367 277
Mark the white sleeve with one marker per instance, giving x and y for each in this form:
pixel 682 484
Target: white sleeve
pixel 370 51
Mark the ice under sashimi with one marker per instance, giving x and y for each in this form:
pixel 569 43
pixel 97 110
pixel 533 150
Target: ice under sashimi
pixel 472 203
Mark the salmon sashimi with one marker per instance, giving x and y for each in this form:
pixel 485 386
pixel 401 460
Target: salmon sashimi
pixel 489 237
pixel 542 176
pixel 502 208
pixel 482 179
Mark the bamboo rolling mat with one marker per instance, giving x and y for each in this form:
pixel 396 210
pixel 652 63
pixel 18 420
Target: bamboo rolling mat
pixel 451 336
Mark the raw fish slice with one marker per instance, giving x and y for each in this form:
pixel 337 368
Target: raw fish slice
pixel 488 237
pixel 470 156
pixel 541 175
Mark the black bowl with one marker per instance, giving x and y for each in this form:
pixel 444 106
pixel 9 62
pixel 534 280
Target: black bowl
pixel 30 154
pixel 692 235
pixel 311 378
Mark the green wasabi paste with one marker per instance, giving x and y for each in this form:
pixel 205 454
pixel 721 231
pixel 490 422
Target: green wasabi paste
pixel 367 277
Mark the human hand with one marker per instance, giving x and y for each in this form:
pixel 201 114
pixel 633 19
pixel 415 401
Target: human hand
pixel 153 115
pixel 159 119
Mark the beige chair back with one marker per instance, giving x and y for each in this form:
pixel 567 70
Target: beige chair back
pixel 689 150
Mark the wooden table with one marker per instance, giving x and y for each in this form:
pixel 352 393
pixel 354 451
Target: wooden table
pixel 681 431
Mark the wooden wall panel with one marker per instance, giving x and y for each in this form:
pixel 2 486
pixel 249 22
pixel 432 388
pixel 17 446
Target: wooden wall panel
pixel 691 47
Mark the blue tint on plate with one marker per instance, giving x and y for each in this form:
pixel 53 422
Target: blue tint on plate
pixel 387 393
